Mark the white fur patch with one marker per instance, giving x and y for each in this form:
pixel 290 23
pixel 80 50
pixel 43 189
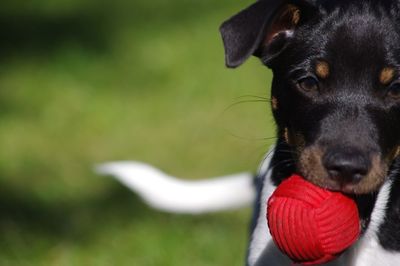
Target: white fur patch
pixel 368 251
pixel 261 238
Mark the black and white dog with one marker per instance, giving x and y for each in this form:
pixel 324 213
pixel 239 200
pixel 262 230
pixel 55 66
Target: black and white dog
pixel 336 102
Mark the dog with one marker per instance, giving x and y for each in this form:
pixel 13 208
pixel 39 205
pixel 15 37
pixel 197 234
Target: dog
pixel 335 99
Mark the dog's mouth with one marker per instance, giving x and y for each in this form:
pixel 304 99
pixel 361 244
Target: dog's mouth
pixel 313 167
pixel 348 188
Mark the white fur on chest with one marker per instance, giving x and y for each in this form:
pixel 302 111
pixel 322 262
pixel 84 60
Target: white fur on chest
pixel 368 251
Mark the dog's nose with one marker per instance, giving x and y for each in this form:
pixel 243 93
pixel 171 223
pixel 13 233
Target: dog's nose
pixel 346 166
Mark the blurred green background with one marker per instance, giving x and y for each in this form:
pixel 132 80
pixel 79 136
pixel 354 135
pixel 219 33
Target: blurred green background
pixel 84 82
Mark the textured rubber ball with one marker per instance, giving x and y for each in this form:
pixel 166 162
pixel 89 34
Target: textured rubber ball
pixel 309 224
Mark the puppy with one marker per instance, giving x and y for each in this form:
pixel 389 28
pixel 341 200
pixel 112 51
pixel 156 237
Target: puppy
pixel 336 102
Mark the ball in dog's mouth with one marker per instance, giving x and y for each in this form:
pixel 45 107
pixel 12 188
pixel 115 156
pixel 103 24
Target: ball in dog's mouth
pixel 311 225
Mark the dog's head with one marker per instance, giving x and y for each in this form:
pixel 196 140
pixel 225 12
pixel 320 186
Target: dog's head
pixel 336 87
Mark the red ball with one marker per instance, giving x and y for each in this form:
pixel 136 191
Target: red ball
pixel 309 224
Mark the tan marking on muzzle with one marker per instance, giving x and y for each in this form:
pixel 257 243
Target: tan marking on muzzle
pixel 375 177
pixel 311 167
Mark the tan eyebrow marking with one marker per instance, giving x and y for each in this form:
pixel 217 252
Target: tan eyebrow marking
pixel 274 103
pixel 322 69
pixel 387 75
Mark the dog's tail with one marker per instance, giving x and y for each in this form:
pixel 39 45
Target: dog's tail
pixel 170 194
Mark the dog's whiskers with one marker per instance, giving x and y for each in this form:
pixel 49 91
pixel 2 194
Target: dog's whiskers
pixel 283 162
pixel 254 96
pixel 244 101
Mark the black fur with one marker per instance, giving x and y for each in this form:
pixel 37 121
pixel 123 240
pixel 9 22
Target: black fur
pixel 350 115
pixel 242 34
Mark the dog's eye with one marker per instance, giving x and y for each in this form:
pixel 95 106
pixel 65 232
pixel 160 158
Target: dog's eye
pixel 394 90
pixel 308 84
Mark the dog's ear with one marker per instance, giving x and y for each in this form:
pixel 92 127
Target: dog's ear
pixel 262 29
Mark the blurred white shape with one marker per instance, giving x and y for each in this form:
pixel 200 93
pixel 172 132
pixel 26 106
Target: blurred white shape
pixel 171 194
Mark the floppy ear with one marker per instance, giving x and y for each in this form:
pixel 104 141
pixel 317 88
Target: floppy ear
pixel 262 29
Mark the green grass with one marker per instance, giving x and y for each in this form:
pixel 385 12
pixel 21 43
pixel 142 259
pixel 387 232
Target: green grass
pixel 84 82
